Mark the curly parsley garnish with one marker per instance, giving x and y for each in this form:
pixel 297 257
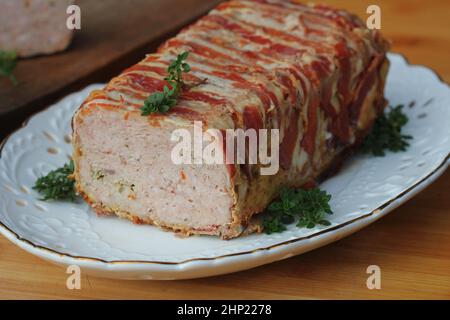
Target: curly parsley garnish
pixel 387 133
pixel 57 184
pixel 308 207
pixel 163 101
pixel 8 62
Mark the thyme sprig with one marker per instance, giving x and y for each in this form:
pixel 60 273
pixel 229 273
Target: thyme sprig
pixel 163 101
pixel 387 134
pixel 307 207
pixel 8 62
pixel 57 184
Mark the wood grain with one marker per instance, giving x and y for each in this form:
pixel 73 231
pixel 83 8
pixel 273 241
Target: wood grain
pixel 411 244
pixel 114 35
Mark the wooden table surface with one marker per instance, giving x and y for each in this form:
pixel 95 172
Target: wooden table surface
pixel 411 245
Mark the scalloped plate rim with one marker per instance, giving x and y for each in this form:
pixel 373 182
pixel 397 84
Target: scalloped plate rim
pixel 201 267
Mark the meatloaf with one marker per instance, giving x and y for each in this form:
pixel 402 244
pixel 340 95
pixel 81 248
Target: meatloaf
pixel 33 27
pixel 314 73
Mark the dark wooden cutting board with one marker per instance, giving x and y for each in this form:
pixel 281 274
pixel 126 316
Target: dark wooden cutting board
pixel 114 35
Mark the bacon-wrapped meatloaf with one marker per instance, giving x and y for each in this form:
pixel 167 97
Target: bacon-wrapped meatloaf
pixel 315 73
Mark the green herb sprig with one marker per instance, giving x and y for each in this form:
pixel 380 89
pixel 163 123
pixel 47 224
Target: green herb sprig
pixel 57 184
pixel 387 133
pixel 163 101
pixel 308 207
pixel 8 62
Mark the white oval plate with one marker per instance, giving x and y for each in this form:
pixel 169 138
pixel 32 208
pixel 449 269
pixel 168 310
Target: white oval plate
pixel 70 234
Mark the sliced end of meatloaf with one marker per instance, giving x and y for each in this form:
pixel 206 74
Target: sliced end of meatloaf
pixel 124 166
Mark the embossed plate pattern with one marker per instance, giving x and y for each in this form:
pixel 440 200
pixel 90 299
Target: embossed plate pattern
pixel 69 233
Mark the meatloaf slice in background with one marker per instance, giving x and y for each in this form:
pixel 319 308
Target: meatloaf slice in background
pixel 34 27
pixel 313 72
